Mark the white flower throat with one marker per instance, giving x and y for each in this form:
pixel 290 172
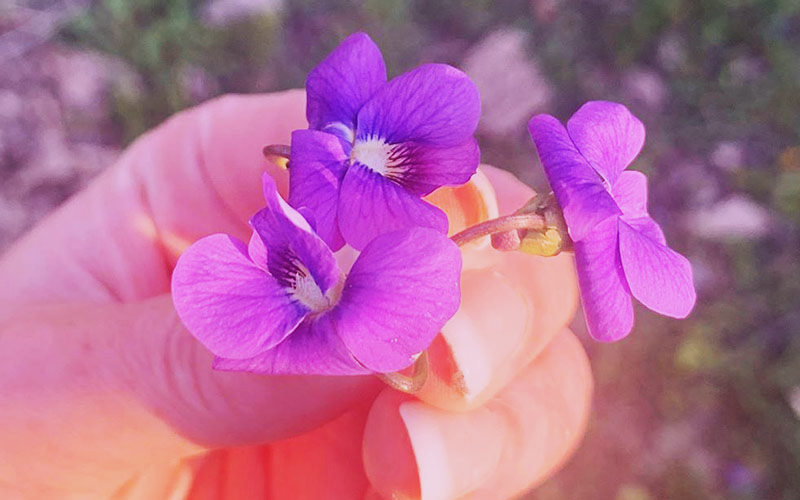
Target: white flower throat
pixel 304 289
pixel 373 154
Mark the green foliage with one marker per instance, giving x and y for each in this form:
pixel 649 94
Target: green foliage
pixel 158 39
pixel 161 41
pixel 787 194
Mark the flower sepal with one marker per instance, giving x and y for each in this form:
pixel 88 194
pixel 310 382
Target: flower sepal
pixel 550 240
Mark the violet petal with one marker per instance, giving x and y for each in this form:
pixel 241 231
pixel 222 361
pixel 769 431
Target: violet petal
pixel 400 292
pixel 290 241
pixel 425 169
pixel 257 251
pixel 579 190
pixel 607 303
pixel 647 226
pixel 315 175
pixel 607 135
pixel 630 193
pixel 309 216
pixel 340 85
pixel 659 277
pixel 371 204
pixel 434 104
pixel 312 349
pixel 232 306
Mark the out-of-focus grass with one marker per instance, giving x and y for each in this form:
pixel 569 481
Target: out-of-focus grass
pixel 698 409
pixel 162 41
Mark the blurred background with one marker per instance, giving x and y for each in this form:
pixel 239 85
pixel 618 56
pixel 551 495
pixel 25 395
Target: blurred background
pixel 700 409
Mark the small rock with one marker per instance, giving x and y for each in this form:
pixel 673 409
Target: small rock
pixel 746 68
pixel 694 180
pixel 734 218
pixel 198 84
pixel 728 156
pixel 645 86
pixel 794 400
pixel 219 12
pixel 545 11
pixel 82 78
pixel 705 276
pixel 11 105
pixel 594 79
pixel 671 51
pixel 86 78
pixel 511 84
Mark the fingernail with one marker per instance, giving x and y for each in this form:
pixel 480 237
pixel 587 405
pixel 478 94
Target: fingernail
pixel 480 339
pixel 455 452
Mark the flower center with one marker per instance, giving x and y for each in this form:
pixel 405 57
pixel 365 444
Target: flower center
pixel 306 291
pixel 299 283
pixel 373 154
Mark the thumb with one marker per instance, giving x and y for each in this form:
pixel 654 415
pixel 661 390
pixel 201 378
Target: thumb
pixel 94 393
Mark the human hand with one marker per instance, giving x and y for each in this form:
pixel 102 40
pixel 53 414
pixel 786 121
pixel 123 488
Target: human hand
pixel 105 395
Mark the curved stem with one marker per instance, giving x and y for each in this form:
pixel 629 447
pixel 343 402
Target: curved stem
pixel 499 225
pixel 279 150
pixel 409 384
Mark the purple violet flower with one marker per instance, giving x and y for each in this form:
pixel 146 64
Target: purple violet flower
pixel 620 251
pixel 282 305
pixel 374 148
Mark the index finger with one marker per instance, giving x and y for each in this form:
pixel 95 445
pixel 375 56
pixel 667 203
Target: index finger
pixel 196 174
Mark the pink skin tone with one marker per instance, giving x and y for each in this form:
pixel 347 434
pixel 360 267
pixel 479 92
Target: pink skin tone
pixel 105 395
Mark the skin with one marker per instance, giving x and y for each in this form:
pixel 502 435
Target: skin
pixel 105 395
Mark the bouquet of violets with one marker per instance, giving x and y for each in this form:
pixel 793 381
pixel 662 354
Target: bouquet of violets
pixel 355 273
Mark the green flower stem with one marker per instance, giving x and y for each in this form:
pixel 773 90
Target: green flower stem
pixel 503 224
pixel 405 383
pixel 279 150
